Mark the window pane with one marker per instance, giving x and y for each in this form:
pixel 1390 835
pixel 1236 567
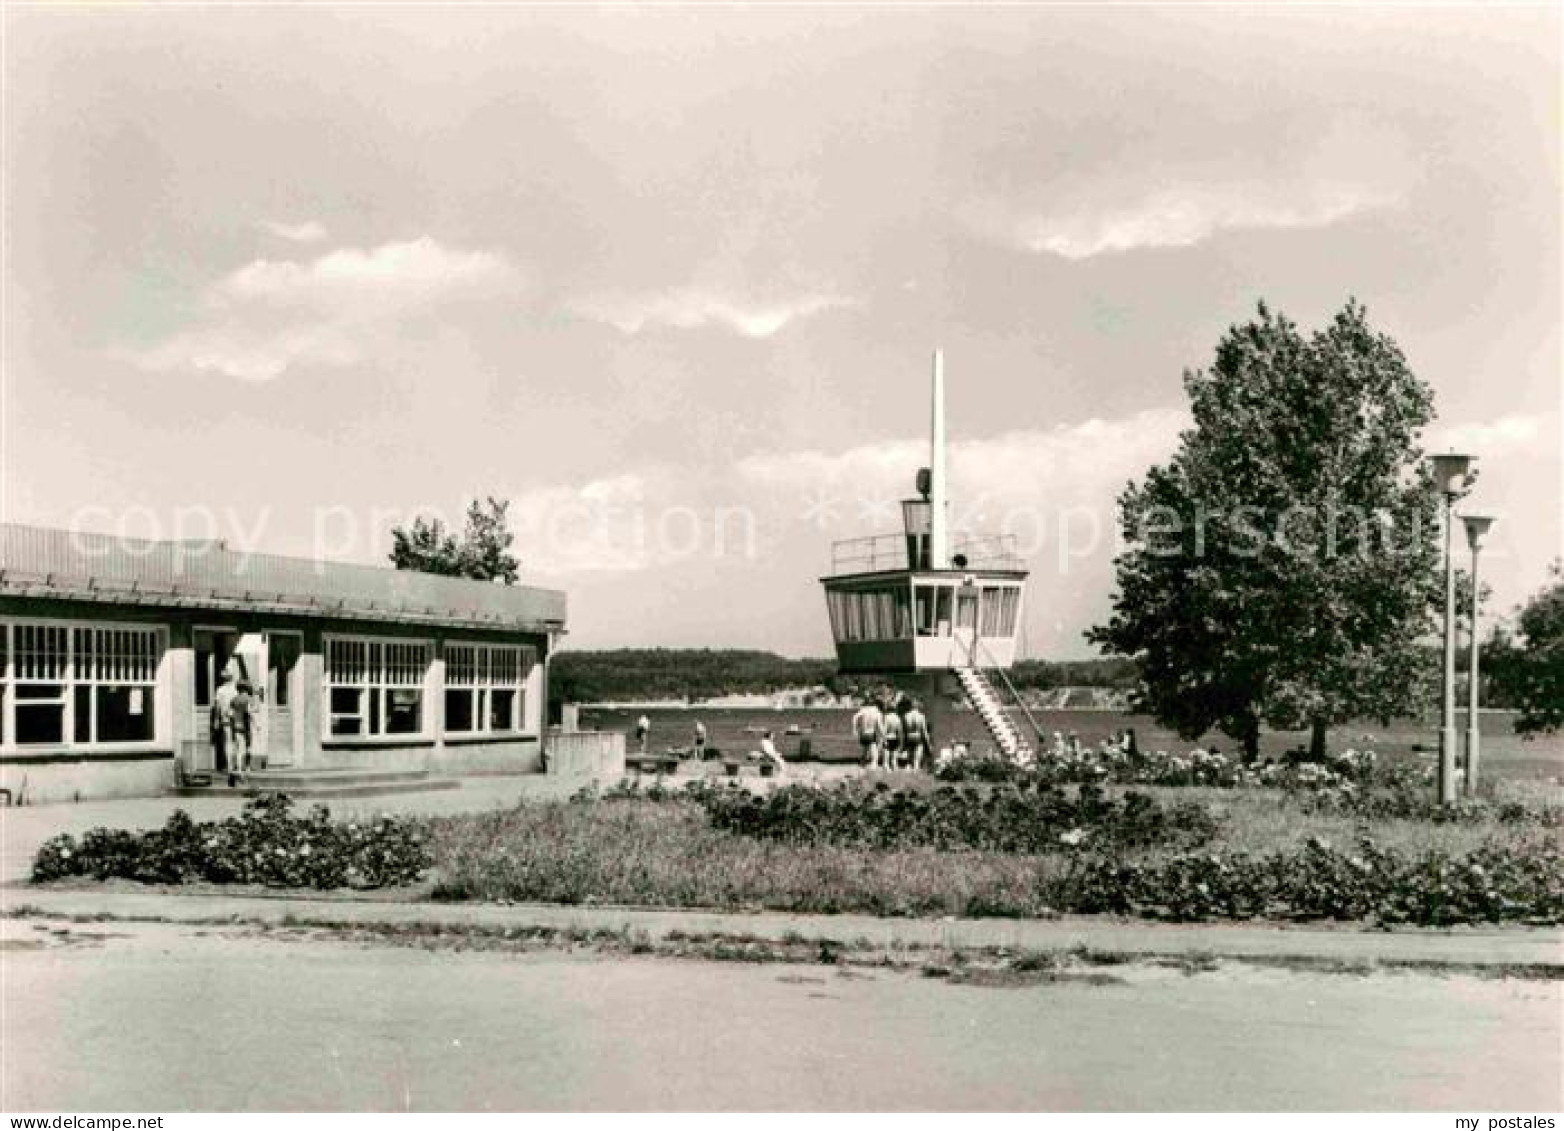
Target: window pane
pixel 124 714
pixel 942 611
pixel 83 723
pixel 502 709
pixel 458 709
pixel 966 610
pixel 459 665
pixel 404 711
pixel 54 691
pixel 282 654
pixel 40 723
pixel 347 710
pixel 203 669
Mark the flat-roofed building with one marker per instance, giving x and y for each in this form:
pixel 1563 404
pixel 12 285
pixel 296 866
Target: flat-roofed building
pixel 111 650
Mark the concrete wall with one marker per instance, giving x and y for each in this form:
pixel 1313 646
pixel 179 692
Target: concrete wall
pixel 517 755
pixel 86 779
pixel 586 753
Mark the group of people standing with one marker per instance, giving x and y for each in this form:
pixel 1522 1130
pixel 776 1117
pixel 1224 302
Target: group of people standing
pixel 893 733
pixel 234 707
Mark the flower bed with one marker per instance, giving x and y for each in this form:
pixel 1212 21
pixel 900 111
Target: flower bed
pixel 1017 817
pixel 1117 763
pixel 265 844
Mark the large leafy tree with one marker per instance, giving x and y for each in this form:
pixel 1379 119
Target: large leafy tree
pixel 1529 668
pixel 482 552
pixel 1281 568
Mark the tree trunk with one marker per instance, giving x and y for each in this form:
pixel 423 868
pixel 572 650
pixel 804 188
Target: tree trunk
pixel 1317 741
pixel 1251 739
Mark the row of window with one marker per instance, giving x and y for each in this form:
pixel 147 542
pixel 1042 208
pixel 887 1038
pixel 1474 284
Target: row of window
pixel 376 688
pixel 900 612
pixel 79 685
pixel 62 684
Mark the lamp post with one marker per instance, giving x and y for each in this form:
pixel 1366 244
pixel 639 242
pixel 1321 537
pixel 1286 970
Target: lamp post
pixel 1476 526
pixel 1450 477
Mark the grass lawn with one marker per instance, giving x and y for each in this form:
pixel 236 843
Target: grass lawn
pixel 667 855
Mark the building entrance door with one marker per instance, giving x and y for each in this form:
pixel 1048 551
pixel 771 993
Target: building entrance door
pixel 249 666
pixel 281 697
pixel 966 627
pixel 214 655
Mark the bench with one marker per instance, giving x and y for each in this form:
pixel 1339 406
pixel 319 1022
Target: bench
pixel 653 763
pixel 735 766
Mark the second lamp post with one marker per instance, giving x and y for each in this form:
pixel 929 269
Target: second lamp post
pixel 1450 478
pixel 1476 526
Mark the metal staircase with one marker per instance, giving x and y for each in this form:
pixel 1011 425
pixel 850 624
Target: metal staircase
pixel 986 702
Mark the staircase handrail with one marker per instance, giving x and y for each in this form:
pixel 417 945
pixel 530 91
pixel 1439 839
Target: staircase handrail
pixel 1011 687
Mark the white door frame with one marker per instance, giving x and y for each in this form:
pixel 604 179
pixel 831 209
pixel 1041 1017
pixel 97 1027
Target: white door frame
pixel 295 688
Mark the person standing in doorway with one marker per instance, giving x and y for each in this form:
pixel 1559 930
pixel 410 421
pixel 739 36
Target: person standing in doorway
pixel 643 732
pixel 700 741
pixel 222 726
pixel 241 710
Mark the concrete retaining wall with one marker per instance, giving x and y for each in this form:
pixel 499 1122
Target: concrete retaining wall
pixel 43 783
pixel 586 753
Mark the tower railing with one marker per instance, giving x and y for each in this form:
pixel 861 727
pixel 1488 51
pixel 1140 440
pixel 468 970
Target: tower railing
pixel 869 555
pixel 979 647
pixel 879 552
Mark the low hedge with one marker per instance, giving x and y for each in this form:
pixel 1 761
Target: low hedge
pixel 265 844
pixel 1493 884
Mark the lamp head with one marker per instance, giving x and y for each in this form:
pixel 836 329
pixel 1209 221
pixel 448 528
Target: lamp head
pixel 1476 526
pixel 1450 473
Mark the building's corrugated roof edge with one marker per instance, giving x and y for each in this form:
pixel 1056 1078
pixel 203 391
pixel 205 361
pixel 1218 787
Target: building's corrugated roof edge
pixel 51 562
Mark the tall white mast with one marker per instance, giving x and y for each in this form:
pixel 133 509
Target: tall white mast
pixel 939 549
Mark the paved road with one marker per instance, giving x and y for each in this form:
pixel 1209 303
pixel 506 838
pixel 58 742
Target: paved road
pixel 159 1017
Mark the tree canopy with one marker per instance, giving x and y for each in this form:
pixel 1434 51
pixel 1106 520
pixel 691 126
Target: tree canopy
pixel 482 552
pixel 1281 567
pixel 1529 668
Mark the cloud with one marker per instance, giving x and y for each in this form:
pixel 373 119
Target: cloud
pixel 310 231
pixel 787 508
pixel 270 316
pixel 1178 216
pixel 416 271
pixel 693 308
pixel 1478 438
pixel 1066 462
pixel 232 350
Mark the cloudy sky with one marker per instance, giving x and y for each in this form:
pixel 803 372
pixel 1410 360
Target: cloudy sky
pixel 669 279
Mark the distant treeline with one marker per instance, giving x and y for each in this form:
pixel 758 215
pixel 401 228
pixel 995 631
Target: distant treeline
pixel 630 674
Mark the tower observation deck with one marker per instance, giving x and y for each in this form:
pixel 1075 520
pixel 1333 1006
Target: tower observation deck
pixel 930 607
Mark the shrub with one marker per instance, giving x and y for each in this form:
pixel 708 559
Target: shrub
pixel 1496 883
pixel 265 844
pixel 1113 762
pixel 1026 818
pixel 1402 793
